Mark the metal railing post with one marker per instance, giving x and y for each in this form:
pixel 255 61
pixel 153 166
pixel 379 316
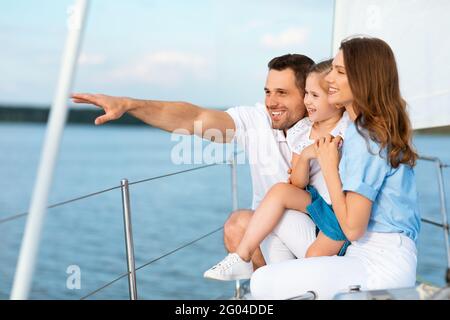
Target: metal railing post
pixel 234 192
pixel 129 239
pixel 235 206
pixel 444 216
pixel 445 225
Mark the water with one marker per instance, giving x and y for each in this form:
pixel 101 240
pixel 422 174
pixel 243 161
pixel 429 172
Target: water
pixel 167 213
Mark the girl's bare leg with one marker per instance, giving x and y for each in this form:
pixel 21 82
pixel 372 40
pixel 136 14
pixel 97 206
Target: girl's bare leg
pixel 280 197
pixel 324 246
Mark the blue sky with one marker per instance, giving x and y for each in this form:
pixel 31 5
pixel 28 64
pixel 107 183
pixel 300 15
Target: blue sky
pixel 211 53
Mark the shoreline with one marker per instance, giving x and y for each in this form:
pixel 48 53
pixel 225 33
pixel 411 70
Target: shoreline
pixel 78 115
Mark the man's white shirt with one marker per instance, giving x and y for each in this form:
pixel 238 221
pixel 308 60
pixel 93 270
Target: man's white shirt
pixel 267 150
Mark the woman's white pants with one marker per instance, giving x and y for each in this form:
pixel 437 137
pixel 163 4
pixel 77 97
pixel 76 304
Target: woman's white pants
pixel 375 261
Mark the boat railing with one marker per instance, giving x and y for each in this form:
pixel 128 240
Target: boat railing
pixel 440 166
pixel 125 191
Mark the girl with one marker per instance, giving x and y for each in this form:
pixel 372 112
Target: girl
pixel 323 119
pixel 372 189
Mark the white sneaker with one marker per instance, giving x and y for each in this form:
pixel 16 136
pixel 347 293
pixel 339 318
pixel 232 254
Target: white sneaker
pixel 230 268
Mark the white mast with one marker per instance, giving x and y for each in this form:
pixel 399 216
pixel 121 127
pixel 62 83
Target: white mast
pixel 417 32
pixel 57 119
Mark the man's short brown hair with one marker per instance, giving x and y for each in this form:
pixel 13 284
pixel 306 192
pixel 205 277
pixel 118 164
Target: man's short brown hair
pixel 299 63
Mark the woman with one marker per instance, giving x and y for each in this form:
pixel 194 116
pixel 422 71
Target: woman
pixel 372 189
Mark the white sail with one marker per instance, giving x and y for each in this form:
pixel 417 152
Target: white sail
pixel 417 31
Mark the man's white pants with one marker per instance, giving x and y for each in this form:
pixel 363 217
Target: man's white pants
pixel 375 261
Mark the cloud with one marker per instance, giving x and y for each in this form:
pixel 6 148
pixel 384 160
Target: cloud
pixel 166 68
pixel 91 59
pixel 289 37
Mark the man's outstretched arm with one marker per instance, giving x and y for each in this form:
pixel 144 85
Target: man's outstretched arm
pixel 165 115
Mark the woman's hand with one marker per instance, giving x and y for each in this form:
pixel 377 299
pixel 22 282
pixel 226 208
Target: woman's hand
pixel 327 152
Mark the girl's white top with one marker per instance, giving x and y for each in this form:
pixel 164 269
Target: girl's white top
pixel 298 138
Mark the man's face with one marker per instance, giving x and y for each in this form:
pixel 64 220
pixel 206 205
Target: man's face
pixel 284 101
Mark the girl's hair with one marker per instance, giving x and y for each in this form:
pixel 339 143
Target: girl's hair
pixel 322 68
pixel 373 78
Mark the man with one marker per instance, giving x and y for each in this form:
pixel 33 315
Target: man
pixel 260 131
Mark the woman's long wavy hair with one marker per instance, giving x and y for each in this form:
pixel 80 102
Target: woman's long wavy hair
pixel 373 78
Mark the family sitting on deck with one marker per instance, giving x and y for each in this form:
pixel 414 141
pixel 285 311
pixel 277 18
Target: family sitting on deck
pixel 335 203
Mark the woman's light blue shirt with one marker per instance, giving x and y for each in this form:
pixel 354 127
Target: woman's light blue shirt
pixel 392 191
